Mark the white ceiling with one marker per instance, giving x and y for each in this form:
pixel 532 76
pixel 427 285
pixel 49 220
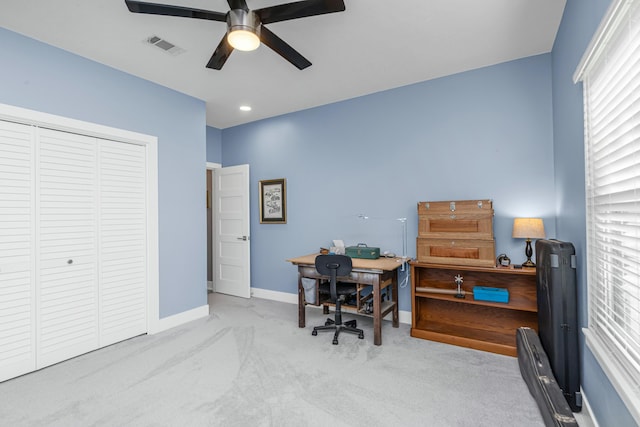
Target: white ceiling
pixel 373 46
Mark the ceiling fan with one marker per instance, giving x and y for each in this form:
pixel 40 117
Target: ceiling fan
pixel 245 27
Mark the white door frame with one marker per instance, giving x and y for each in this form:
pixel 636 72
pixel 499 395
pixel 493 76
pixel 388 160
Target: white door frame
pixel 210 167
pixel 51 121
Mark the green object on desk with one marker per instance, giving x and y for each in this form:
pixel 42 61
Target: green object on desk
pixel 362 251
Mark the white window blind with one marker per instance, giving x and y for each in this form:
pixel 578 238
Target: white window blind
pixel 610 71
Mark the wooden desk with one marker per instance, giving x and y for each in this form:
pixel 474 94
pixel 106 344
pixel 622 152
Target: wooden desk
pixel 379 273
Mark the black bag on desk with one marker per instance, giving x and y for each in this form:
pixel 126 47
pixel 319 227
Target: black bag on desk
pixel 558 314
pixel 536 372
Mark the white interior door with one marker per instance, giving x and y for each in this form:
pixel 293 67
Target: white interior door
pixel 232 263
pixel 123 241
pixel 17 258
pixel 67 242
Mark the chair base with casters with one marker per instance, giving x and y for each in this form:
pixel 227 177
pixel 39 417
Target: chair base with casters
pixel 336 265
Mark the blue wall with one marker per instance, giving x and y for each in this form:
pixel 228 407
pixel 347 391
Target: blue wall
pixel 214 145
pixel 580 21
pixel 497 132
pixel 40 77
pixel 482 134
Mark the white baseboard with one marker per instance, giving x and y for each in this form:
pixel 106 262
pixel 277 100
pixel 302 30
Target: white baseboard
pixel 403 316
pixel 179 319
pixel 274 295
pixel 585 417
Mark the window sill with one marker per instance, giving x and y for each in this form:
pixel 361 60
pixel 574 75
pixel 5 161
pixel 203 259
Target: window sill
pixel 628 391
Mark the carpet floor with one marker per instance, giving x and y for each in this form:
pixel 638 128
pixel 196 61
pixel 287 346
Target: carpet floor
pixel 248 364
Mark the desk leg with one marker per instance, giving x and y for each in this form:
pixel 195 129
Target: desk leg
pixel 301 304
pixel 377 308
pixel 394 298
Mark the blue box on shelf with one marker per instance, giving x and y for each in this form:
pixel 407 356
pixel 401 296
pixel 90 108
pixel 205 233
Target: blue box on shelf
pixel 483 293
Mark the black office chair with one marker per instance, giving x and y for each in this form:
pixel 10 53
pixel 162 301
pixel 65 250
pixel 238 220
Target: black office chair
pixel 336 266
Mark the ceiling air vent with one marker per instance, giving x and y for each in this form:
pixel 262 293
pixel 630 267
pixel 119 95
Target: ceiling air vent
pixel 166 46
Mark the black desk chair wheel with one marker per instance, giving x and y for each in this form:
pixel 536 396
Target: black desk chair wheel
pixel 336 266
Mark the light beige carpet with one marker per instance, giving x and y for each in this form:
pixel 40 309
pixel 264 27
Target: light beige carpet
pixel 249 364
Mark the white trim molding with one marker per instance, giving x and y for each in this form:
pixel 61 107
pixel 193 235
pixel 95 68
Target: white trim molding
pixel 274 295
pixel 617 11
pixel 179 319
pixel 626 388
pixel 585 417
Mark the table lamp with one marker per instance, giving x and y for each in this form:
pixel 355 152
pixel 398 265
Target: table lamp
pixel 528 228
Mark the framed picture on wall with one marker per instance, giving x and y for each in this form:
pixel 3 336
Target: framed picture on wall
pixel 273 201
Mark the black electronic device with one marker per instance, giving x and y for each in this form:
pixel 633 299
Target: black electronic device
pixel 503 260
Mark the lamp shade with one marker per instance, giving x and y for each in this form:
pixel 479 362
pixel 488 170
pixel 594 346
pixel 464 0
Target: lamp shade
pixel 528 228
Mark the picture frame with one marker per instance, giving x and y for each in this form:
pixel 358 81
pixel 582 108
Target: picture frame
pixel 273 201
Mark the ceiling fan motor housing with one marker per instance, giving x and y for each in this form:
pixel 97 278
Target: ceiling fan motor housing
pixel 242 20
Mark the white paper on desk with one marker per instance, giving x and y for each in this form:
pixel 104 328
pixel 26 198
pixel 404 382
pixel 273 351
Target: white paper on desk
pixel 338 247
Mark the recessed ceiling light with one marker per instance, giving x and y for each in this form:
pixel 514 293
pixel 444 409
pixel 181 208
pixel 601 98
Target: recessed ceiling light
pixel 245 108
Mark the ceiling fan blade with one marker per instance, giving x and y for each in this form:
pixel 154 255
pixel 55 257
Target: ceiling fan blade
pixel 238 4
pixel 220 55
pixel 283 49
pixel 299 9
pixel 163 9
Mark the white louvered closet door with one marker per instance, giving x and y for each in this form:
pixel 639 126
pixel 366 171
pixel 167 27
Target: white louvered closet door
pixel 17 284
pixel 122 241
pixel 68 245
pixel 73 245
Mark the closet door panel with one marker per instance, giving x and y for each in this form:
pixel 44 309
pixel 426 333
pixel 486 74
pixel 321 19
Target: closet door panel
pixel 68 247
pixel 123 274
pixel 17 285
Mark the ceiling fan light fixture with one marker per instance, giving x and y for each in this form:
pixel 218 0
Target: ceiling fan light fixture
pixel 243 40
pixel 243 30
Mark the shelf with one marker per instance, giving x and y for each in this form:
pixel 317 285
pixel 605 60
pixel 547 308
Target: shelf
pixel 483 325
pixel 385 308
pixel 466 332
pixel 475 326
pixel 492 270
pixel 461 341
pixel 511 305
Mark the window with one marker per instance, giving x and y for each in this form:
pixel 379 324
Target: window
pixel 610 71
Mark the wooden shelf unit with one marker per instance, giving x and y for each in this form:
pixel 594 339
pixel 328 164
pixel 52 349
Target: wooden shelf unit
pixel 482 325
